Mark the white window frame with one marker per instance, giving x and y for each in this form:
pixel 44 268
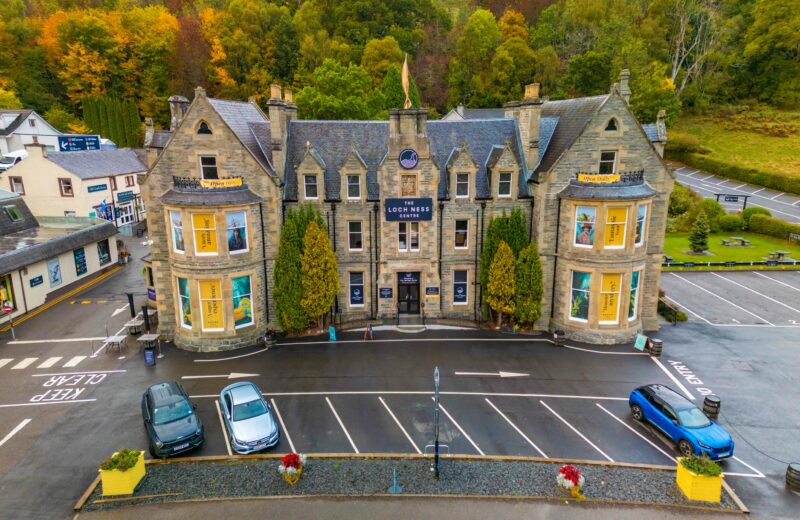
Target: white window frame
pixel 465 283
pixel 195 230
pixel 407 229
pixel 350 288
pixel 458 183
pixel 465 232
pixel 618 293
pixel 306 178
pixel 402 231
pixel 357 185
pixel 248 295
pixel 613 163
pixel 204 166
pixel 643 221
pixel 15 181
pixel 501 182
pixel 624 225
pixel 594 228
pixel 350 233
pixel 247 238
pixel 222 306
pixel 411 233
pixel 573 289
pixel 180 302
pixel 635 315
pixel 172 227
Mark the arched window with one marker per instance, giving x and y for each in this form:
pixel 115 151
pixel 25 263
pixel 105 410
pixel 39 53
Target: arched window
pixel 612 125
pixel 204 129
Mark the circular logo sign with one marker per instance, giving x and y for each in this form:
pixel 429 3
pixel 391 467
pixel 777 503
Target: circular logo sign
pixel 409 158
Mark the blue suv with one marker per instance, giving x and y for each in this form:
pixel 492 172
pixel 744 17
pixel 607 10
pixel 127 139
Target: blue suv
pixel 681 421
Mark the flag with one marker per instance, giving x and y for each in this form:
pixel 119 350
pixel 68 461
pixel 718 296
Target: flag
pixel 407 104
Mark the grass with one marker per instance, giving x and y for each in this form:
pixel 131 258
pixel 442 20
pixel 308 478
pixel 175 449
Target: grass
pixel 764 139
pixel 675 245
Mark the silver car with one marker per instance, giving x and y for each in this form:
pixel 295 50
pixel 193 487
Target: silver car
pixel 248 418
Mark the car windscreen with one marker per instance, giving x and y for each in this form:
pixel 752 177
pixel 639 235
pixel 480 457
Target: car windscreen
pixel 7 160
pixel 244 411
pixel 171 412
pixel 693 418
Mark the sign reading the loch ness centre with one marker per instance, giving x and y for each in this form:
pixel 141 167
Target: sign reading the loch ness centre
pixel 409 209
pixel 408 158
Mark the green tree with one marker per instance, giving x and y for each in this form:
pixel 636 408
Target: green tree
pixel 548 69
pixel 698 237
pixel 652 91
pixel 60 118
pixel 9 99
pixel 512 68
pixel 470 68
pixel 379 56
pixel 134 126
pixel 500 290
pixel 320 273
pixel 508 229
pixel 339 92
pixel 529 286
pixel 588 74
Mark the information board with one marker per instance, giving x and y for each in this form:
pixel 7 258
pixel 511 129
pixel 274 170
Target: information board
pixel 78 143
pixel 386 292
pixel 431 291
pixel 39 280
pixel 409 209
pixel 80 261
pixel 98 187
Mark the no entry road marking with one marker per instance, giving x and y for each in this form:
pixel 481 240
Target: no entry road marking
pixel 582 436
pixel 496 409
pixel 466 436
pixel 283 425
pixel 674 379
pixel 15 430
pixel 347 434
pixel 399 425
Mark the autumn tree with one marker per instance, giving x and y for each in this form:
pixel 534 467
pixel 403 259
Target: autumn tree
pixel 60 118
pixel 512 68
pixel 501 287
pixel 378 56
pixel 529 286
pixel 513 25
pixel 9 99
pixel 320 273
pixel 470 68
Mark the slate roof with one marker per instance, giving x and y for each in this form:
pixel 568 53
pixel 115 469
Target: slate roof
pixel 251 127
pixel 8 226
pixel 651 129
pixel 210 197
pixel 640 191
pixel 484 113
pixel 161 138
pixel 98 163
pixel 21 116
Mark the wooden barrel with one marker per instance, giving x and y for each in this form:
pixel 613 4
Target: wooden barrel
pixel 711 406
pixel 559 337
pixel 655 347
pixel 793 476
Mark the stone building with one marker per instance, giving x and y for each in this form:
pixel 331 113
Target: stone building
pixel 407 203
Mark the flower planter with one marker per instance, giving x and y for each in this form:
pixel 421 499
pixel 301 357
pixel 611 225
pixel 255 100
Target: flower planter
pixel 116 482
pixel 698 487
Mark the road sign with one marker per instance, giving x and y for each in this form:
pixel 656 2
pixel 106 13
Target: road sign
pixel 78 143
pixel 731 198
pixel 125 196
pixel 7 307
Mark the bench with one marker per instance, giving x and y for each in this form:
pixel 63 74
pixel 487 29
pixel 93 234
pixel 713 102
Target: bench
pixel 773 255
pixel 667 259
pixel 745 242
pixel 726 243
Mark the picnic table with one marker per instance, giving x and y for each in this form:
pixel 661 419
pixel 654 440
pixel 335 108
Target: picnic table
pixel 116 341
pixel 742 241
pixel 779 255
pixel 148 340
pixel 134 326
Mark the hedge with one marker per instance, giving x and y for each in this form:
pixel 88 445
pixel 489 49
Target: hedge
pixel 772 226
pixel 767 179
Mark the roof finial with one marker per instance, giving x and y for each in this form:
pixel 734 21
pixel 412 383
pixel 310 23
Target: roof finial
pixel 407 103
pixel 308 146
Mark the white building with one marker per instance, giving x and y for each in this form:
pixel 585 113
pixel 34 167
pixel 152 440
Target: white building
pixel 19 127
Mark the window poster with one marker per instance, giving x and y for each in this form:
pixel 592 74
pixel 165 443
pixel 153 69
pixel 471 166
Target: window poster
pixel 6 293
pixel 177 231
pixel 205 235
pixel 579 304
pixel 609 298
pixel 211 305
pixel 80 261
pixel 584 225
pixel 615 227
pixel 186 310
pixel 634 303
pixel 54 272
pixel 236 223
pixel 242 301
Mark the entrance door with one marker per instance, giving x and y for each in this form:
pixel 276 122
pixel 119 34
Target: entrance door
pixel 408 293
pixel 125 213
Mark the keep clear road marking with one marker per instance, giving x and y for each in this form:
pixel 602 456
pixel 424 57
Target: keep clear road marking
pixel 224 430
pixel 74 361
pixel 721 298
pixel 353 444
pixel 13 432
pixel 477 448
pixel 50 362
pixel 763 276
pixel 756 292
pixel 398 424
pixel 582 436
pixel 283 426
pixel 24 363
pixel 674 379
pixel 496 409
pixel 645 439
pixel 4 362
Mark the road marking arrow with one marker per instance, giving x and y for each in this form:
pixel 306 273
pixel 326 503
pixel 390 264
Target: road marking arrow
pixel 117 311
pixel 232 375
pixel 490 374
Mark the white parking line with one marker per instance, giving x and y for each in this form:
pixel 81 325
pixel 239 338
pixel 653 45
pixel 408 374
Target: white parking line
pixel 776 196
pixel 739 186
pixel 353 444
pixel 477 448
pixel 60 340
pixel 496 409
pixel 645 439
pixel 582 436
pixel 760 475
pixel 683 168
pixel 15 430
pixel 15 405
pixel 50 362
pixel 762 189
pixel 756 292
pixel 4 362
pixel 709 177
pixel 74 361
pixel 224 430
pixel 763 276
pixel 721 298
pixel 24 363
pixel 82 372
pixel 722 182
pixel 283 426
pixel 674 379
pixel 690 311
pixel 399 425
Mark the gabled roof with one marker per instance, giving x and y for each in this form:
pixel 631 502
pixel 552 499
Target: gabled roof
pixel 22 115
pixel 99 163
pixel 251 126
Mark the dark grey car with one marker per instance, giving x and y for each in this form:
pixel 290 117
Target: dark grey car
pixel 169 418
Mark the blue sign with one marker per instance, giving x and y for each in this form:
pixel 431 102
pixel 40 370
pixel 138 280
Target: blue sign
pixel 409 209
pixel 410 278
pixel 98 187
pixel 39 280
pixel 80 261
pixel 78 143
pixel 151 294
pixel 356 295
pixel 409 159
pixel 125 196
pixel 431 291
pixel 386 292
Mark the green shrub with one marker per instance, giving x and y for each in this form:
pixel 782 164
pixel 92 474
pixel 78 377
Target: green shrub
pixel 753 210
pixel 682 200
pixel 730 223
pixel 701 466
pixel 714 211
pixel 685 143
pixel 772 226
pixel 670 313
pixel 122 460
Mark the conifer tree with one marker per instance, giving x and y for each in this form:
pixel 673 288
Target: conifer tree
pixel 517 236
pixel 500 289
pixel 116 124
pixel 102 112
pixel 698 238
pixel 134 124
pixel 529 286
pixel 320 273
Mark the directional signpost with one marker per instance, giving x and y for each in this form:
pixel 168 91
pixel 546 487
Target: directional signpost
pixel 733 198
pixel 78 143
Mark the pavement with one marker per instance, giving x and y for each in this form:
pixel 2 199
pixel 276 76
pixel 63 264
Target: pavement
pixel 782 205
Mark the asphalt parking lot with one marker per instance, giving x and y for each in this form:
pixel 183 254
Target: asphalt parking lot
pixel 737 298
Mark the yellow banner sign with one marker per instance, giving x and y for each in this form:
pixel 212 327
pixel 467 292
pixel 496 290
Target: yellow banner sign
pixel 221 183
pixel 205 233
pixel 211 303
pixel 615 226
pixel 609 298
pixel 596 178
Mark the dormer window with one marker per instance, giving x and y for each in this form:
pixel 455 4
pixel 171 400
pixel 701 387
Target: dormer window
pixel 504 185
pixel 612 125
pixel 208 167
pixel 354 187
pixel 462 185
pixel 310 185
pixel 203 129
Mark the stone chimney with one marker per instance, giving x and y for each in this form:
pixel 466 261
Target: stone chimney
pixel 661 128
pixel 624 89
pixel 178 105
pixel 460 110
pixel 35 149
pixel 149 132
pixel 279 126
pixel 530 112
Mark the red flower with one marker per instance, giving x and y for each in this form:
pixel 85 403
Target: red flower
pixel 570 473
pixel 292 460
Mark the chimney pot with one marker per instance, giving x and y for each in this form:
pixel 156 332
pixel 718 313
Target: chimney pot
pixel 35 139
pixel 288 95
pixel 275 92
pixel 532 91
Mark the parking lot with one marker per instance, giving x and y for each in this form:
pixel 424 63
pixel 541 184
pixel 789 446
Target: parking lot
pixel 737 298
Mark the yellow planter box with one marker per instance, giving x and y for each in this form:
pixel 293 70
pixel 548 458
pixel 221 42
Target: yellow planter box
pixel 698 487
pixel 116 482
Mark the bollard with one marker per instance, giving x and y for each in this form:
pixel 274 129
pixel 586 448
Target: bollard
pixel 331 333
pixel 130 305
pixel 793 477
pixel 395 489
pixel 655 347
pixel 711 406
pixel 559 337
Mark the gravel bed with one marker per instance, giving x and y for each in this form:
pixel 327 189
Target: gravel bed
pixel 260 477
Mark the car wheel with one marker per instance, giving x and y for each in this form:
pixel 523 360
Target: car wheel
pixel 686 448
pixel 637 412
